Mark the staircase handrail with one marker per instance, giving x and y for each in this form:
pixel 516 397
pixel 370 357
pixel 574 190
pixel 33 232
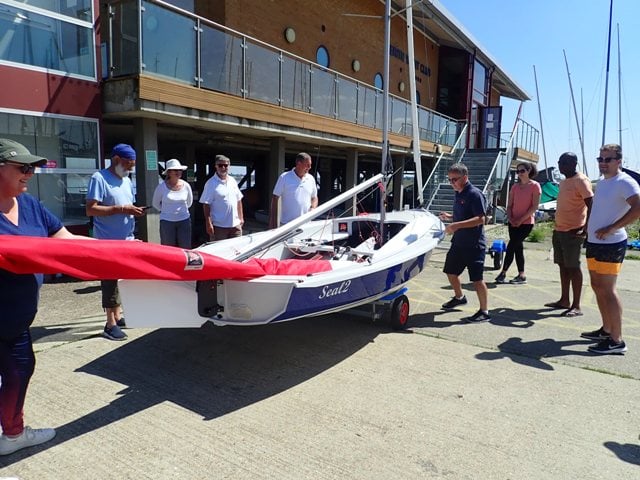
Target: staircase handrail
pixel 438 161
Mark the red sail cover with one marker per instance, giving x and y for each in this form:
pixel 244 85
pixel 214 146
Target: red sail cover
pixel 122 259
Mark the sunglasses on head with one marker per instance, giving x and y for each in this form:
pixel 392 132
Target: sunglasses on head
pixel 24 168
pixel 606 159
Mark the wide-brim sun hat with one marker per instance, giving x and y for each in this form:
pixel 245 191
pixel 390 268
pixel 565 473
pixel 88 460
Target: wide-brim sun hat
pixel 174 164
pixel 12 151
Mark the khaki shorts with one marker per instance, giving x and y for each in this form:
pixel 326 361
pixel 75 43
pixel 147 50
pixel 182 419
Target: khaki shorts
pixel 566 249
pixel 110 293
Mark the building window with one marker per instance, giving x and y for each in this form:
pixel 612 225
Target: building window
pixel 480 84
pixel 80 9
pixel 71 147
pixel 322 56
pixel 38 40
pixel 378 82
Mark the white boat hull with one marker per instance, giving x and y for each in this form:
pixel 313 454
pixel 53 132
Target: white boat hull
pixel 360 274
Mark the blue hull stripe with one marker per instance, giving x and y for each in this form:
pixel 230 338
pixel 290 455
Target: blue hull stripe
pixel 315 301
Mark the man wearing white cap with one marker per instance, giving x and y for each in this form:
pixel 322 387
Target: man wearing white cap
pixel 110 202
pixel 172 198
pixel 221 202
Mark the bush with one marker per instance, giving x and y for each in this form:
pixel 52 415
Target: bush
pixel 537 235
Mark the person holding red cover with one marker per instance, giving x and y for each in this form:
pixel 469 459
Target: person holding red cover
pixel 23 215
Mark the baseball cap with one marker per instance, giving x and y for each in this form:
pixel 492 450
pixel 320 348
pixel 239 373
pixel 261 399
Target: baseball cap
pixel 124 151
pixel 12 151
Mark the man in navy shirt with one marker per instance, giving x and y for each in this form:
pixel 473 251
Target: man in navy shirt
pixel 468 244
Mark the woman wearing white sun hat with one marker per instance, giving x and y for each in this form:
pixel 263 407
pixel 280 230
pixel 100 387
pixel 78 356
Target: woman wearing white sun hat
pixel 172 198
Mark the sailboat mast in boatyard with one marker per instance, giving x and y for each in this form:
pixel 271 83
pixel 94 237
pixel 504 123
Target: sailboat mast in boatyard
pixel 385 112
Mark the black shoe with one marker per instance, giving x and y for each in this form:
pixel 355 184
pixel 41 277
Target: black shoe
pixel 501 278
pixel 454 302
pixel 114 333
pixel 597 335
pixel 121 323
pixel 606 347
pixel 477 317
pixel 518 280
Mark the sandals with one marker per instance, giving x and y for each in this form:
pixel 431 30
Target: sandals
pixel 556 306
pixel 572 312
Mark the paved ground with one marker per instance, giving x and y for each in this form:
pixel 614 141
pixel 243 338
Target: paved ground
pixel 337 397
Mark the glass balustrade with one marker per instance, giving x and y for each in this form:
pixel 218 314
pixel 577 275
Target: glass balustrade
pixel 211 56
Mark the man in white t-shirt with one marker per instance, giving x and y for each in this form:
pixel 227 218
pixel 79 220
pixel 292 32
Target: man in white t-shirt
pixel 616 203
pixel 221 202
pixel 297 192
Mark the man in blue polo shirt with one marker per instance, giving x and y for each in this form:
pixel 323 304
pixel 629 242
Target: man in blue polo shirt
pixel 468 244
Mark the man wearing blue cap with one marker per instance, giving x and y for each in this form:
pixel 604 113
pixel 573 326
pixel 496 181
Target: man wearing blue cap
pixel 110 202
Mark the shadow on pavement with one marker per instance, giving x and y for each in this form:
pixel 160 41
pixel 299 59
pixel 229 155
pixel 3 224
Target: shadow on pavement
pixel 213 371
pixel 530 354
pixel 627 452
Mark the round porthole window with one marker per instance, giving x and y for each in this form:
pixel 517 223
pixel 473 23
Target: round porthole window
pixel 377 81
pixel 290 35
pixel 322 56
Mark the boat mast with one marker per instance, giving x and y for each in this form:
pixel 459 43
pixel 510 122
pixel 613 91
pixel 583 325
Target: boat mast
pixel 544 149
pixel 575 112
pixel 619 91
pixel 606 83
pixel 385 113
pixel 417 160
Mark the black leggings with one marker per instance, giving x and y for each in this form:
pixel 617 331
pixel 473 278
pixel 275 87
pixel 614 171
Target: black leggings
pixel 515 247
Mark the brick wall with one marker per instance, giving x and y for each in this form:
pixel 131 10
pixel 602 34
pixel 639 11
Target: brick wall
pixel 347 38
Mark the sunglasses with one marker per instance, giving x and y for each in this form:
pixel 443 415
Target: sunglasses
pixel 24 168
pixel 606 159
pixel 522 170
pixel 454 179
pixel 222 165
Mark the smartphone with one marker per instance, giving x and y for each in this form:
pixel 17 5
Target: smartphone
pixel 145 207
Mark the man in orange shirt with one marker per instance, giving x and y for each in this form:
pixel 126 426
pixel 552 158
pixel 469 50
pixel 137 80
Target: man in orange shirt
pixel 572 211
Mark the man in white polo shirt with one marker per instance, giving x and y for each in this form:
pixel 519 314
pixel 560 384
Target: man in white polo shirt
pixel 221 202
pixel 297 191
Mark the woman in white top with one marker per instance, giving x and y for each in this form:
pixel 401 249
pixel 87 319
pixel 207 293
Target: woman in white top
pixel 172 199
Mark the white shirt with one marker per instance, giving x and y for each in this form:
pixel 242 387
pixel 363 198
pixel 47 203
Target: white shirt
pixel 295 194
pixel 609 204
pixel 223 197
pixel 173 205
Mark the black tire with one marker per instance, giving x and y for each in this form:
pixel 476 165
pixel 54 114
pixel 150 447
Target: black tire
pixel 399 315
pixel 497 260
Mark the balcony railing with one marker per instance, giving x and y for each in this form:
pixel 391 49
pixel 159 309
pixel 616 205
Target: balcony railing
pixel 207 55
pixel 526 137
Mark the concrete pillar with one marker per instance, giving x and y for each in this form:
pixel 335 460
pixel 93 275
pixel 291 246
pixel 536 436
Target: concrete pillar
pixel 398 194
pixel 276 165
pixel 351 179
pixel 146 146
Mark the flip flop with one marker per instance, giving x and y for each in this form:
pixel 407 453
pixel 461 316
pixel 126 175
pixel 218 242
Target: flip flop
pixel 572 312
pixel 556 305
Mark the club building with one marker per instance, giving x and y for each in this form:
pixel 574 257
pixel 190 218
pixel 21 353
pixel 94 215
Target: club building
pixel 258 81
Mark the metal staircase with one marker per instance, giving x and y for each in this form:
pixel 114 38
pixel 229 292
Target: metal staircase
pixel 480 164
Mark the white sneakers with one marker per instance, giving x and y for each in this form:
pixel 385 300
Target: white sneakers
pixel 28 438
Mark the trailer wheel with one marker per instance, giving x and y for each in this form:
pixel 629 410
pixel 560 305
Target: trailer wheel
pixel 497 260
pixel 400 313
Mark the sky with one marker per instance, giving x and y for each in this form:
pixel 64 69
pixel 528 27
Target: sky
pixel 519 34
